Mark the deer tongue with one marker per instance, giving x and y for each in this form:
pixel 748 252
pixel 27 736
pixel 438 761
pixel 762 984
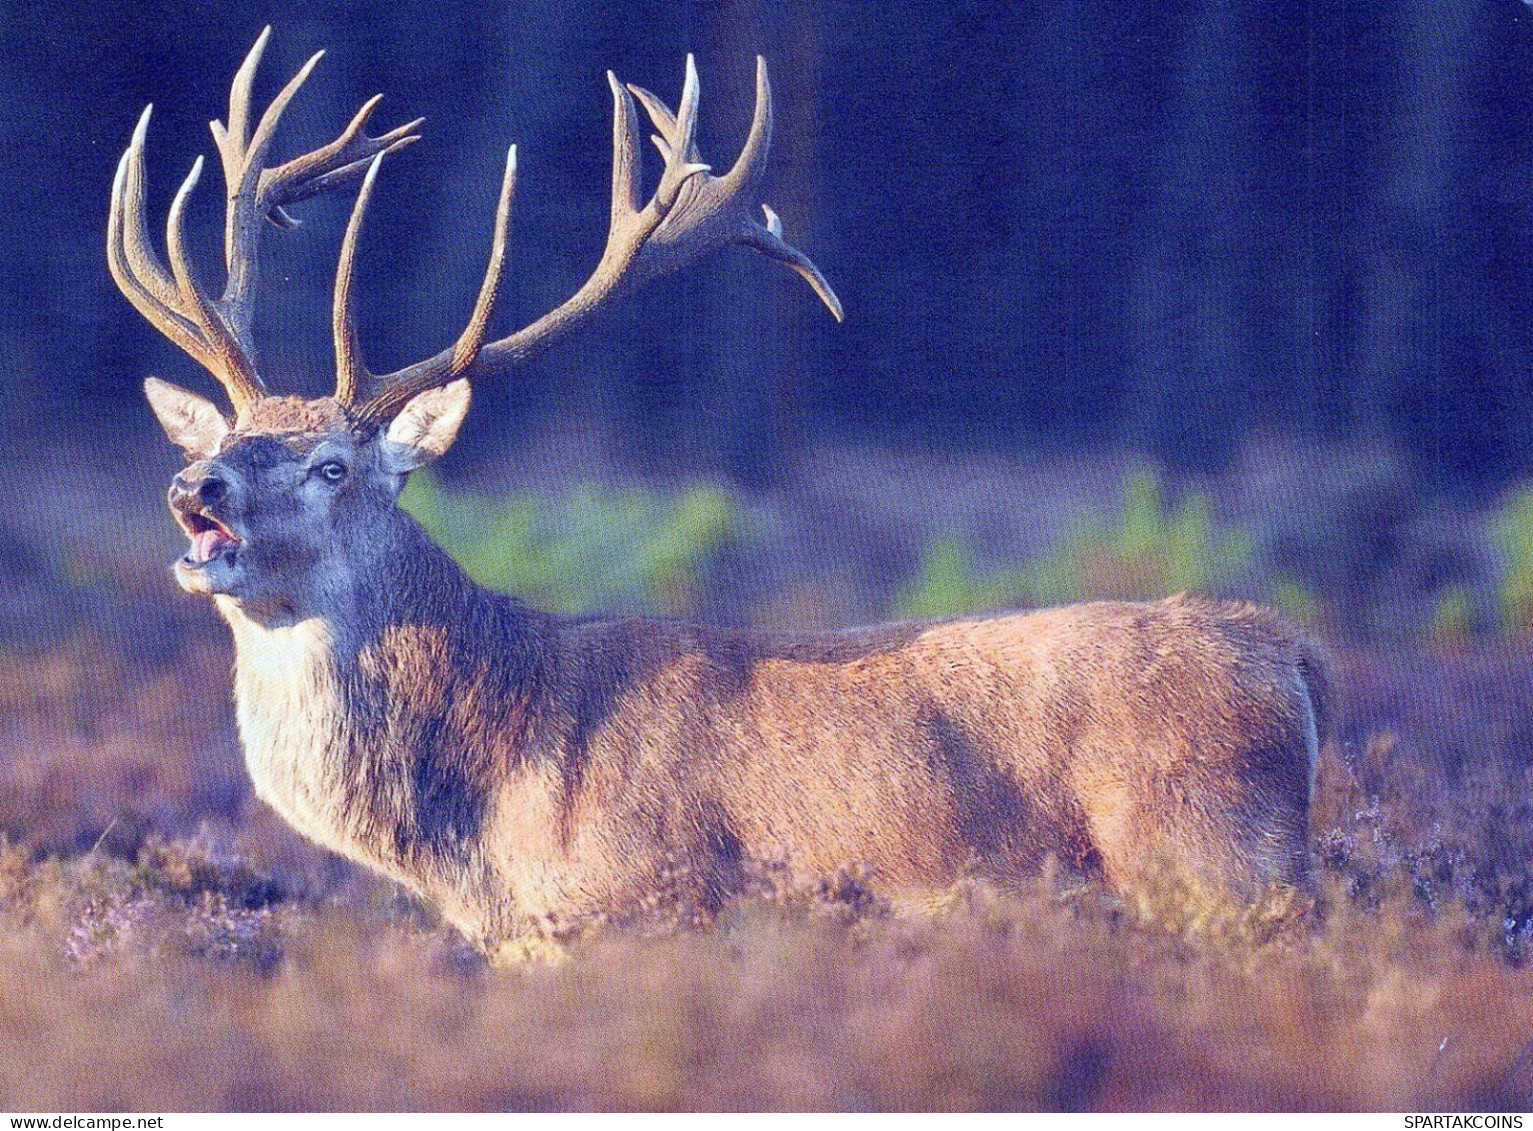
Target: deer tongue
pixel 208 544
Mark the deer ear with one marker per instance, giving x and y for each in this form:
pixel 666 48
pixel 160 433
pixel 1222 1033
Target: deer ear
pixel 193 423
pixel 426 427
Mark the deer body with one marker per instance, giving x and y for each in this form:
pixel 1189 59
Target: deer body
pixel 522 771
pixel 525 771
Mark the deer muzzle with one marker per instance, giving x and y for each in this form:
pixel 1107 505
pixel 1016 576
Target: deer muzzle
pixel 197 499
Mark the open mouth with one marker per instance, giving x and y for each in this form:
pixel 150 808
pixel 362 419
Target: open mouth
pixel 210 538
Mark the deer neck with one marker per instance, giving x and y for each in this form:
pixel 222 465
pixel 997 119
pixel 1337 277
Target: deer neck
pixel 291 709
pixel 342 707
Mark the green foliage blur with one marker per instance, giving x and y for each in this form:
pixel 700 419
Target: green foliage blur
pixel 1511 530
pixel 949 584
pixel 1452 623
pixel 593 548
pixel 1147 549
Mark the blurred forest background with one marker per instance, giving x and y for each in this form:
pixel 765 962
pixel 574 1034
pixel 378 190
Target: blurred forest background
pixel 1056 227
pixel 1266 263
pixel 1199 294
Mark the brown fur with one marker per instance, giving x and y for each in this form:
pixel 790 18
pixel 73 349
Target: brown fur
pixel 523 770
pixel 297 416
pixel 520 769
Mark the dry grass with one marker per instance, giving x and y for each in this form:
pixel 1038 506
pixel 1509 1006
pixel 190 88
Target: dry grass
pixel 136 987
pixel 166 944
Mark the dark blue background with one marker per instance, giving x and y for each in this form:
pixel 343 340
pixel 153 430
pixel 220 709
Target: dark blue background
pixel 1055 226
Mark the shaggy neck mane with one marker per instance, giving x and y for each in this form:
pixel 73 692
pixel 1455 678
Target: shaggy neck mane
pixel 348 714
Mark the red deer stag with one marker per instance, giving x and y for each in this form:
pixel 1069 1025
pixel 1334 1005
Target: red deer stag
pixel 523 771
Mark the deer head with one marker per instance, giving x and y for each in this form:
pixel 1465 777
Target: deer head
pixel 279 494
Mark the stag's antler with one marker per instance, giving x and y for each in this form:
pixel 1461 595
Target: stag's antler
pixel 216 332
pixel 691 213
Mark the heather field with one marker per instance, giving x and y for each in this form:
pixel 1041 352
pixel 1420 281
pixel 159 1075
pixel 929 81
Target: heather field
pixel 167 944
pixel 1206 297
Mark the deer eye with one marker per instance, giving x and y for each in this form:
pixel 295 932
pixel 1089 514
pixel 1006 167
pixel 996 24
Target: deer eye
pixel 331 471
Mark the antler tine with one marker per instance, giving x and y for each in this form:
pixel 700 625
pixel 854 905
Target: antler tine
pixel 768 240
pixel 234 362
pixel 472 339
pixel 677 131
pixel 690 214
pixel 750 166
pixel 175 243
pixel 677 139
pixel 216 332
pixel 748 170
pixel 170 300
pixel 130 255
pixel 233 142
pixel 239 99
pixel 627 196
pixel 686 112
pixel 343 159
pixel 146 266
pixel 245 206
pixel 350 372
pixel 661 117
